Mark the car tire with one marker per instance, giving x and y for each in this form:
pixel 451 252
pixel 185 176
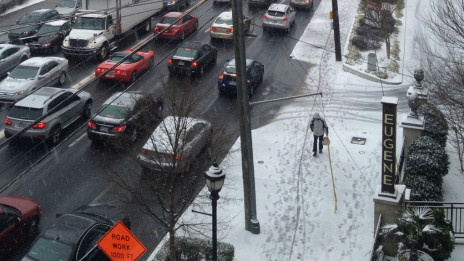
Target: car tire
pixel 33 227
pixel 151 63
pixel 55 135
pixel 62 78
pixel 147 27
pixel 133 77
pixel 202 70
pixel 159 111
pixel 196 25
pixel 87 112
pixel 182 37
pixel 104 52
pixel 251 91
pixel 133 136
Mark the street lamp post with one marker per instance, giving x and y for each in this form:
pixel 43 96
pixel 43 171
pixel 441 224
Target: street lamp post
pixel 214 181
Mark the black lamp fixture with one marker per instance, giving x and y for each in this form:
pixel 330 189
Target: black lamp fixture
pixel 214 181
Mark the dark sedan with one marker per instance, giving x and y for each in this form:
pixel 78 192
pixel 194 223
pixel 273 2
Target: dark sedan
pixel 175 4
pixel 19 220
pixel 192 57
pixel 74 236
pixel 123 115
pixel 50 37
pixel 29 24
pixel 227 82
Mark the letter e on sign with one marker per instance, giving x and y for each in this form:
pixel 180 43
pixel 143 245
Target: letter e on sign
pixel 119 244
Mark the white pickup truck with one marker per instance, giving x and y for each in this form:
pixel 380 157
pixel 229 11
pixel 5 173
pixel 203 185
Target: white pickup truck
pixel 100 24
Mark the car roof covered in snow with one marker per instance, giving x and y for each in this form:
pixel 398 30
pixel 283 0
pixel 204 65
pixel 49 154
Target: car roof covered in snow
pixel 39 61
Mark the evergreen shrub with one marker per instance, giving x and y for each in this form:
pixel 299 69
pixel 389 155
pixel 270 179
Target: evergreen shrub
pixel 364 44
pixel 436 125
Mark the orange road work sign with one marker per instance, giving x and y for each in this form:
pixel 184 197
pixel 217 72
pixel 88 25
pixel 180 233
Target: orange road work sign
pixel 119 244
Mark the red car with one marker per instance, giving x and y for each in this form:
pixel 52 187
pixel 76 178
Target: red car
pixel 129 69
pixel 19 220
pixel 180 25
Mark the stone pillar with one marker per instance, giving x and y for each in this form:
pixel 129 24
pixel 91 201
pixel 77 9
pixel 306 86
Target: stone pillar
pixel 388 207
pixel 413 124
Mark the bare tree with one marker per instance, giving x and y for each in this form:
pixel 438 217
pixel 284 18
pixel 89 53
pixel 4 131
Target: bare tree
pixel 442 60
pixel 165 193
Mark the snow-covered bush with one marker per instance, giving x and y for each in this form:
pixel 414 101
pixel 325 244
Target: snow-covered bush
pixel 421 228
pixel 422 189
pixel 195 249
pixel 363 43
pixel 436 125
pixel 427 145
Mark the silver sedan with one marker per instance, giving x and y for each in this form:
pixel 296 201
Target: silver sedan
pixel 31 75
pixel 12 55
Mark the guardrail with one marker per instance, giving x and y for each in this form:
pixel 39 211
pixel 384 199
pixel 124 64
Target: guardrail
pixel 454 212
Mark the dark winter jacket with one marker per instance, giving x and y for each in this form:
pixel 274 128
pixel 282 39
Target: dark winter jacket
pixel 318 125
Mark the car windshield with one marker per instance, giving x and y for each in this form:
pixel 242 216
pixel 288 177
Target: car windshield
pixel 67 3
pixel 114 111
pixel 230 70
pixel 169 20
pixel 48 29
pixel 221 20
pixel 90 23
pixel 47 249
pixel 117 57
pixel 24 72
pixel 29 19
pixel 275 13
pixel 186 52
pixel 25 113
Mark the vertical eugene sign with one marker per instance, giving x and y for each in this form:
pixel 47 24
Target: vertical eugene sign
pixel 388 145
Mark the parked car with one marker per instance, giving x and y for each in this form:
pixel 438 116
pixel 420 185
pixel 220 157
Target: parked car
pixel 178 25
pixel 50 37
pixel 29 24
pixel 123 115
pixel 74 236
pixel 192 57
pixel 222 26
pixel 221 1
pixel 175 144
pixel 279 16
pixel 12 55
pixel 175 4
pixel 60 107
pixel 227 82
pixel 19 221
pixel 31 75
pixel 129 70
pixel 305 4
pixel 67 8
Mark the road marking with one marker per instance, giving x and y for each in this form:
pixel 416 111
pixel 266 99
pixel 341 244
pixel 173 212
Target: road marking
pixel 87 79
pixel 2 134
pixel 77 140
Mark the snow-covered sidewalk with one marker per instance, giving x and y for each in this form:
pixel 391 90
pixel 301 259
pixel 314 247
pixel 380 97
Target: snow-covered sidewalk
pixel 295 195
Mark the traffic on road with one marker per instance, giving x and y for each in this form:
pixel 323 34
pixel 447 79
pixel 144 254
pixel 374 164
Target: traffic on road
pixel 97 96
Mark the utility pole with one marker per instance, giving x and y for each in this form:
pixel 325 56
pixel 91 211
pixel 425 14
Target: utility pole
pixel 336 27
pixel 248 172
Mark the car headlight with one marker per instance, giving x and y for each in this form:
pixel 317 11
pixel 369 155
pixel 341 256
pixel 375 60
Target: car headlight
pixel 25 33
pixel 46 45
pixel 26 44
pixel 18 93
pixel 94 45
pixel 65 43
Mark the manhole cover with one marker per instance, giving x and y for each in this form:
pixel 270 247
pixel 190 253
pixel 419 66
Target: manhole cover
pixel 260 162
pixel 358 140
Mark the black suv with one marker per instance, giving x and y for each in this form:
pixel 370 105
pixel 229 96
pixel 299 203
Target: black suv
pixel 50 36
pixel 123 115
pixel 175 4
pixel 29 24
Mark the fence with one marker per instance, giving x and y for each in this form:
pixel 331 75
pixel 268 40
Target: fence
pixel 454 212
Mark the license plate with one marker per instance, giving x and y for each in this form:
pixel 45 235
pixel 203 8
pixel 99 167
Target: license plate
pixel 180 63
pixel 110 75
pixel 104 129
pixel 21 125
pixel 233 83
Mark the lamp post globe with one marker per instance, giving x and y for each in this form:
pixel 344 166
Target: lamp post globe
pixel 214 181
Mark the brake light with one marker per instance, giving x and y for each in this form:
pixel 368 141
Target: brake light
pixel 174 30
pixel 285 19
pixel 156 29
pixel 169 60
pixel 99 70
pixel 7 122
pixel 230 30
pixel 119 128
pixel 39 125
pixel 145 152
pixel 221 76
pixel 265 17
pixel 212 28
pixel 175 157
pixel 92 125
pixel 194 64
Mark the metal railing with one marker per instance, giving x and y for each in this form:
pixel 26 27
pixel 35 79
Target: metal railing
pixel 454 212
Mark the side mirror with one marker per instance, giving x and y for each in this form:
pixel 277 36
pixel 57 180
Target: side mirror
pixel 42 76
pixel 2 60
